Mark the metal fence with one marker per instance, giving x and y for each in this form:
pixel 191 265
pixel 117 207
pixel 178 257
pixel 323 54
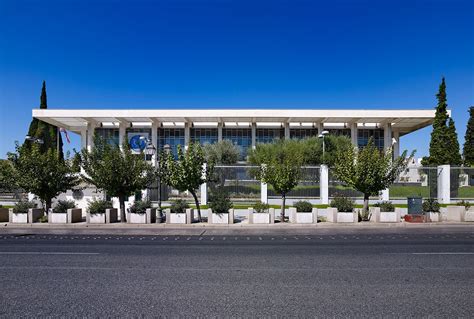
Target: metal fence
pixel 307 188
pixel 415 181
pixel 461 183
pixel 239 182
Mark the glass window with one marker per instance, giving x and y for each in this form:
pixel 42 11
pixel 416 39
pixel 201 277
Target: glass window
pixel 110 135
pixel 171 136
pixel 203 135
pixel 363 136
pixel 242 137
pixel 302 133
pixel 340 132
pixel 268 135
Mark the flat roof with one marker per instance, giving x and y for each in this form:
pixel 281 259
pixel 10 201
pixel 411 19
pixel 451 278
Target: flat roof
pixel 403 121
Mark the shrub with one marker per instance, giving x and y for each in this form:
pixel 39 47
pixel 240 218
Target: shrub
pixel 140 207
pixel 464 203
pixel 430 205
pixel 22 207
pixel 98 206
pixel 220 202
pixel 261 207
pixel 342 203
pixel 63 205
pixel 179 206
pixel 303 206
pixel 385 206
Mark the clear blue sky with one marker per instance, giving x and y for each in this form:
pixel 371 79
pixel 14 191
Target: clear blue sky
pixel 234 54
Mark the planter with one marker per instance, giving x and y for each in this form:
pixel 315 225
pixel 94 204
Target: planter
pixel 214 218
pixel 334 216
pixel 147 218
pixel 110 216
pixel 469 216
pixel 32 216
pixel 455 213
pixel 303 217
pixel 384 217
pixel 73 215
pixel 4 215
pixel 262 218
pixel 180 218
pixel 433 217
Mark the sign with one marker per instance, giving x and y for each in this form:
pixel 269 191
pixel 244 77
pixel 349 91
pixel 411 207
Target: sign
pixel 137 145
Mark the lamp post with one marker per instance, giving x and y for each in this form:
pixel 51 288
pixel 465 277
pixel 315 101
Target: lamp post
pixel 322 135
pixel 34 139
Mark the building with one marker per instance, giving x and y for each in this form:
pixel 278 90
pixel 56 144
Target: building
pixel 244 127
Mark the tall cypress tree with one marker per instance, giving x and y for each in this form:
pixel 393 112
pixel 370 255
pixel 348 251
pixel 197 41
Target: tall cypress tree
pixel 453 144
pixel 468 150
pixel 41 130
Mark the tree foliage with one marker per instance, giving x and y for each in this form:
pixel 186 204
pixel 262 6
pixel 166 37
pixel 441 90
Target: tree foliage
pixel 8 181
pixel 369 170
pixel 44 174
pixel 468 149
pixel 221 153
pixel 279 165
pixel 313 149
pixel 46 132
pixel 120 173
pixel 186 173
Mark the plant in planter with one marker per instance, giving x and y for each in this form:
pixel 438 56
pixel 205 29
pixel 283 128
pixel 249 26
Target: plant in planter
pixel 261 213
pixel 63 205
pixel 303 206
pixel 220 208
pixel 385 206
pixel 341 210
pixel 384 212
pixel 25 212
pixel 261 208
pixel 431 210
pixel 100 211
pixel 303 213
pixel 65 211
pixel 468 214
pixel 141 212
pixel 177 213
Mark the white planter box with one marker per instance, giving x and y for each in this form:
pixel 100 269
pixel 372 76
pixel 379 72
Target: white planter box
pixel 389 217
pixel 261 218
pixel 96 218
pixel 455 213
pixel 331 214
pixel 347 217
pixel 220 219
pixel 57 218
pixel 434 217
pixel 304 218
pixel 19 218
pixel 178 218
pixel 32 216
pixel 146 218
pixel 469 216
pixel 181 218
pixel 110 216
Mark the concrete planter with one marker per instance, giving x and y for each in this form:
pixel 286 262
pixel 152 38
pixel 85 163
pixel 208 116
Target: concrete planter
pixel 32 216
pixel 469 216
pixel 334 216
pixel 384 217
pixel 262 218
pixel 73 215
pixel 4 215
pixel 455 213
pixel 147 218
pixel 433 217
pixel 180 218
pixel 110 216
pixel 303 217
pixel 214 218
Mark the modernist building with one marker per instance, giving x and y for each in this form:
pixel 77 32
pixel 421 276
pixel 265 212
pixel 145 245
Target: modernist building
pixel 244 127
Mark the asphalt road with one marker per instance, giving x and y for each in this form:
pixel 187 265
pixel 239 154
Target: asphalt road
pixel 345 275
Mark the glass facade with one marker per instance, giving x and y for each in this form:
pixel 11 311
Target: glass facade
pixel 340 132
pixel 268 135
pixel 363 136
pixel 302 133
pixel 171 136
pixel 203 135
pixel 242 137
pixel 110 135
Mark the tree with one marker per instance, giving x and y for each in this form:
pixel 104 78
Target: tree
pixel 120 173
pixel 8 181
pixel 313 149
pixel 453 144
pixel 280 166
pixel 46 132
pixel 222 153
pixel 44 174
pixel 468 149
pixel 186 173
pixel 369 170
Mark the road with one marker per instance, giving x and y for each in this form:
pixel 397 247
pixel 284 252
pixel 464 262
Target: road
pixel 418 274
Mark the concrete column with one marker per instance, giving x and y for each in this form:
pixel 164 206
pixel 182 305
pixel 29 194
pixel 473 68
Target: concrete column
pixel 90 136
pixel 396 146
pixel 84 139
pixel 204 186
pixel 122 132
pixel 444 184
pixel 324 184
pixel 387 136
pixel 354 134
pixel 263 191
pixel 219 131
pixel 254 135
pixel 154 140
pixel 287 131
pixel 187 135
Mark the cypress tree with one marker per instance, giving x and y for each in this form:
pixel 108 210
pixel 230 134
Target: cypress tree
pixel 45 131
pixel 453 144
pixel 468 150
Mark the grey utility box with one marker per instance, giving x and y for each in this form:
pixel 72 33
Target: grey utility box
pixel 415 205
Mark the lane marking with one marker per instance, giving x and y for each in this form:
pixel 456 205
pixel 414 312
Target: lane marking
pixel 444 253
pixel 43 253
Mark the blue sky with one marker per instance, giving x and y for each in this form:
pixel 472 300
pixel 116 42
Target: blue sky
pixel 234 54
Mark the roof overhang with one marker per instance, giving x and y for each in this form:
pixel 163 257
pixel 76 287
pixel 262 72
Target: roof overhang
pixel 403 121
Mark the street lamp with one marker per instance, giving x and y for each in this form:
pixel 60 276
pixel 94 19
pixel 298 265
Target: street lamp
pixel 322 135
pixel 150 149
pixel 34 139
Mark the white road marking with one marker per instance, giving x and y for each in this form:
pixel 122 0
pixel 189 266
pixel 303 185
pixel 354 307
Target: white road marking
pixel 42 253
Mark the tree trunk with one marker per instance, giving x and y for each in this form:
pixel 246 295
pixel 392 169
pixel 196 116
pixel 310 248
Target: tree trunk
pixel 282 212
pixel 123 215
pixel 365 208
pixel 197 205
pixel 47 205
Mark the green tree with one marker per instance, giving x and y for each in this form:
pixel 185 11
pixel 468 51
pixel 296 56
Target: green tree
pixel 313 149
pixel 369 170
pixel 48 133
pixel 186 172
pixel 44 174
pixel 120 173
pixel 453 144
pixel 8 180
pixel 468 149
pixel 221 153
pixel 280 166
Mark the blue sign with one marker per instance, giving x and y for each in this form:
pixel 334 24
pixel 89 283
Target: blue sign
pixel 137 144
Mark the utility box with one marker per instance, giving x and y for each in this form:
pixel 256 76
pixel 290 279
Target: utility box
pixel 415 205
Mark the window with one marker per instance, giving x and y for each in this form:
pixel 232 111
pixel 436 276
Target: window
pixel 171 136
pixel 268 135
pixel 110 135
pixel 363 136
pixel 302 133
pixel 242 137
pixel 340 132
pixel 203 135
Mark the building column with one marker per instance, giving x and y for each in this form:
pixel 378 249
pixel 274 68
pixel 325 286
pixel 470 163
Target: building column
pixel 122 132
pixel 287 131
pixel 90 136
pixel 354 134
pixel 187 134
pixel 254 135
pixel 396 147
pixel 444 184
pixel 154 140
pixel 84 139
pixel 324 184
pixel 387 136
pixel 219 131
pixel 319 126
